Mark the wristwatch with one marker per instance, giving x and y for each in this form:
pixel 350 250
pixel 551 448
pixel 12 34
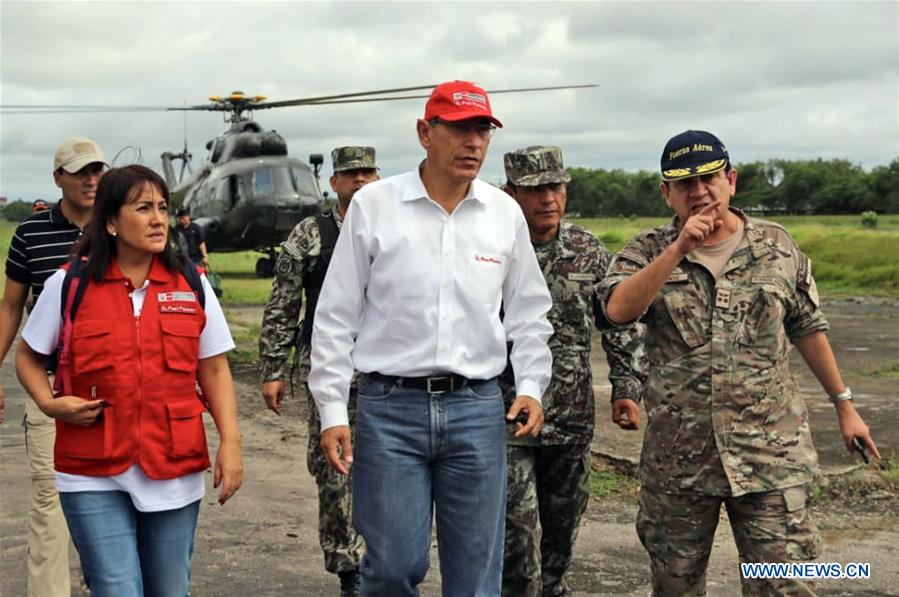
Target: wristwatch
pixel 842 396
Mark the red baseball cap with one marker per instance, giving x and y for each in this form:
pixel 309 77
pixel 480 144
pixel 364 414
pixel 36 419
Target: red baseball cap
pixel 459 100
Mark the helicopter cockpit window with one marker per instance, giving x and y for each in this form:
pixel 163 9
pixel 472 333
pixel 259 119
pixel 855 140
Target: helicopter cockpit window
pixel 233 190
pixel 217 151
pixel 304 183
pixel 263 183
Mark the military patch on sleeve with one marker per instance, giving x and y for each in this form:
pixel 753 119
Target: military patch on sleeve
pixel 581 277
pixel 632 255
pixel 806 282
pixel 813 293
pixel 285 264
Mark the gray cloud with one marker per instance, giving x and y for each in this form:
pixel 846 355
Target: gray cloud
pixel 789 79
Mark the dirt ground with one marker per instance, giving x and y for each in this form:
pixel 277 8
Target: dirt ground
pixel 264 542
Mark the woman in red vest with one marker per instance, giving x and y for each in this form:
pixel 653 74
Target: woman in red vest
pixel 143 356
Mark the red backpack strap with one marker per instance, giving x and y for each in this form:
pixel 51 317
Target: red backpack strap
pixel 62 384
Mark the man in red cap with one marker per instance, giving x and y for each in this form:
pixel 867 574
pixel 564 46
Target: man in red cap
pixel 412 300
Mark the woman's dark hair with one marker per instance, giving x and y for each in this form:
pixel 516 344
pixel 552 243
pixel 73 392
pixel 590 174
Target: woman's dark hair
pixel 116 188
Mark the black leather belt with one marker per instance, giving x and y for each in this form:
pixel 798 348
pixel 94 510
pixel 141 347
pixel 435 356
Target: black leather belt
pixel 434 384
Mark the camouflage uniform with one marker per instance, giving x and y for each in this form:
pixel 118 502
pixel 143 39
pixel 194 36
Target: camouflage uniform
pixel 548 476
pixel 726 420
pixel 281 331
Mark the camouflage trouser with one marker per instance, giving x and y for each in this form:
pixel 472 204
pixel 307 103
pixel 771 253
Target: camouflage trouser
pixel 678 532
pixel 547 490
pixel 342 546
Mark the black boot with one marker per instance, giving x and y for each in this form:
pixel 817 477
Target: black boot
pixel 350 583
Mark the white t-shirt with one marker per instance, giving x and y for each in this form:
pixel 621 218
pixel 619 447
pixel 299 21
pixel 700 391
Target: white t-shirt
pixel 148 495
pixel 714 257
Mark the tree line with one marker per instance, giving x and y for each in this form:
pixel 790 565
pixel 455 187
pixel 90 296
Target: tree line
pixel 774 187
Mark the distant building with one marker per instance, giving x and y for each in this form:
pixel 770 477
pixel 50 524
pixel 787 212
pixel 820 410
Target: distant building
pixel 2 201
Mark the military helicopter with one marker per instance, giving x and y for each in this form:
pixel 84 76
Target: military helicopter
pixel 249 193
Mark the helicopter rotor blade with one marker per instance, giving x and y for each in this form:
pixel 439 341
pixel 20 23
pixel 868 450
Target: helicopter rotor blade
pixel 343 98
pixel 324 98
pixel 406 97
pixel 66 109
pixel 42 109
pixel 351 98
pixel 304 100
pixel 553 88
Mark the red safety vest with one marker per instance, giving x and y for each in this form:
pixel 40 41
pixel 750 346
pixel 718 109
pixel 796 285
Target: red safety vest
pixel 145 369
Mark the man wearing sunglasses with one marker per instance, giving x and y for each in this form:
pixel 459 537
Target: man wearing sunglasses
pixel 412 300
pixel 38 247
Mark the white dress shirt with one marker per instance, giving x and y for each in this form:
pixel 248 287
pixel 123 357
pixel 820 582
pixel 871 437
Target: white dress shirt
pixel 413 291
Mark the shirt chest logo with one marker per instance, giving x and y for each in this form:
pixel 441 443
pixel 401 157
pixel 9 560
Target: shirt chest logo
pixel 487 259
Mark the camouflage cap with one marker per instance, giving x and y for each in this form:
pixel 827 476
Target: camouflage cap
pixel 353 157
pixel 535 165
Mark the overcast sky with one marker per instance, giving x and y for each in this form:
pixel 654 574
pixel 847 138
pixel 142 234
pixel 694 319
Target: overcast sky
pixel 771 79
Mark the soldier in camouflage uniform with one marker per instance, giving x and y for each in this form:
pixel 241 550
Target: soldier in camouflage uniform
pixel 300 270
pixel 723 296
pixel 548 482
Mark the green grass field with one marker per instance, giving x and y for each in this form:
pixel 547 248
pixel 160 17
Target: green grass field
pixel 847 259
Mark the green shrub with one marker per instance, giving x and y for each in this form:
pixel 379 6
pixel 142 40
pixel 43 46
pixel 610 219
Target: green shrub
pixel 16 211
pixel 869 219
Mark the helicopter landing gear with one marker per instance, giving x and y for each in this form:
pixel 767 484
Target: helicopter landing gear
pixel 265 267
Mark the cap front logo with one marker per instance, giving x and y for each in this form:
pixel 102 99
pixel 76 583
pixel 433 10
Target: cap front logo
pixel 468 98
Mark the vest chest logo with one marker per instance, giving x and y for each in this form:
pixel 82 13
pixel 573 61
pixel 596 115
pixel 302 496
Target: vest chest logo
pixel 188 309
pixel 177 302
pixel 677 277
pixel 581 277
pixel 176 296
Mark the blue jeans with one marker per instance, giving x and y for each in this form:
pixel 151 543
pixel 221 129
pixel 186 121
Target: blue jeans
pixel 417 454
pixel 128 553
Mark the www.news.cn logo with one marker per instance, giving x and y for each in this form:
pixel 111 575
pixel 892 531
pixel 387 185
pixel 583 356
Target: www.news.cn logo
pixel 805 570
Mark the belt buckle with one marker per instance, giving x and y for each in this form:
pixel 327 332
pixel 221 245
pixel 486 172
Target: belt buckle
pixel 438 380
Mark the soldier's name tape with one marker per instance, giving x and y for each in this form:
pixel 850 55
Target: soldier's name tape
pixel 805 570
pixel 581 277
